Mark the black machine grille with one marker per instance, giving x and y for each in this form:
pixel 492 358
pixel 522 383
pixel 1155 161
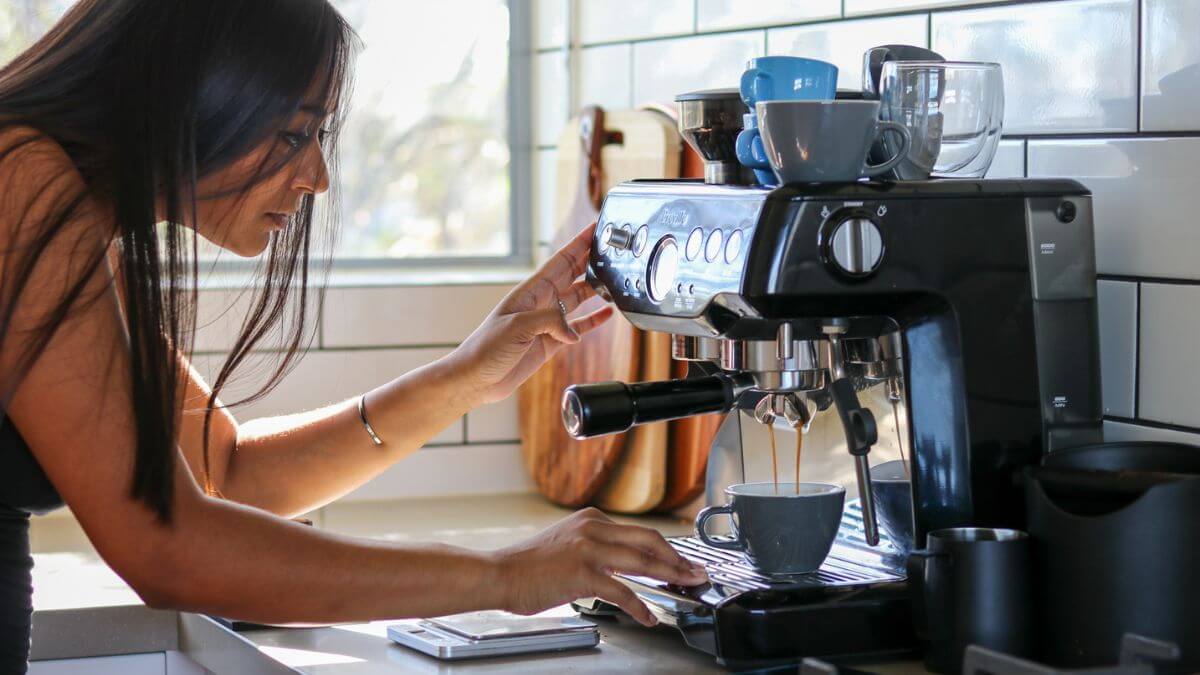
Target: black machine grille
pixel 730 568
pixel 850 563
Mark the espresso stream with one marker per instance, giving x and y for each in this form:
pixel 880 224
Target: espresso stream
pixel 775 458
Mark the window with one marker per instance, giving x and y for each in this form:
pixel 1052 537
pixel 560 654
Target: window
pixel 427 173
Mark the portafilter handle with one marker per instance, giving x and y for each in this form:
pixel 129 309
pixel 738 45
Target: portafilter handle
pixel 612 407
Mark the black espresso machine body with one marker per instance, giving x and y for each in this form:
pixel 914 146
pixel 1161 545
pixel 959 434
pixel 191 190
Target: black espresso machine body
pixel 990 285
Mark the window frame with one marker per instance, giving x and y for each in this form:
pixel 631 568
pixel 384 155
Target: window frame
pixel 520 176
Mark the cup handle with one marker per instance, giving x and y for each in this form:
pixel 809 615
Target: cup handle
pixel 905 141
pixel 702 520
pixel 744 148
pixel 919 562
pixel 749 86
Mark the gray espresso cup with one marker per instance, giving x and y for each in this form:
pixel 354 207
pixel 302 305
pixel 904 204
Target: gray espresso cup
pixel 827 141
pixel 779 528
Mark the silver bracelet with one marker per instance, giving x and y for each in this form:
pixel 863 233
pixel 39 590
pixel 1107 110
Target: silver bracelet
pixel 362 414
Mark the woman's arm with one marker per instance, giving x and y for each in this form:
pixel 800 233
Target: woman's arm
pixel 75 409
pixel 293 464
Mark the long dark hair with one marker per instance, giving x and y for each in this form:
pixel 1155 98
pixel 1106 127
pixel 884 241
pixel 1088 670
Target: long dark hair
pixel 147 97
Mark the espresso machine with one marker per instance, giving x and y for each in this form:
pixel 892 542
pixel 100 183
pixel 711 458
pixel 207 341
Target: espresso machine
pixel 950 324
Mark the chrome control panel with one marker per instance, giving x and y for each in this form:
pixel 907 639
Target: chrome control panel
pixel 674 252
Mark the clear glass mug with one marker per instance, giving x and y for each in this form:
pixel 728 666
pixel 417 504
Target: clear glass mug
pixel 954 111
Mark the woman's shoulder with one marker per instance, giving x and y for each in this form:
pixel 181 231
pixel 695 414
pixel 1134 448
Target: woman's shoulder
pixel 35 172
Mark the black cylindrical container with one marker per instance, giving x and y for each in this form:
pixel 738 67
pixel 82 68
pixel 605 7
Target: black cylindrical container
pixel 1109 562
pixel 971 586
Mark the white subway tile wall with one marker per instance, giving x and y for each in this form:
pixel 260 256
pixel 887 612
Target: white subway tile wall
pixel 842 43
pixel 1145 188
pixel 613 20
pixel 664 68
pixel 550 91
pixel 1169 361
pixel 1170 65
pixel 729 14
pixel 604 76
pixel 1089 95
pixel 1068 66
pixel 372 335
pixel 855 7
pixel 1009 161
pixel 406 316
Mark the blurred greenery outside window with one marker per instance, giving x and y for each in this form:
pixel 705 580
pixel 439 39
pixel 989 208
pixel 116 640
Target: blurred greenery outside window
pixel 425 165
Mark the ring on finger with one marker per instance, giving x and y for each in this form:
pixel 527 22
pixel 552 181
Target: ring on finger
pixel 562 307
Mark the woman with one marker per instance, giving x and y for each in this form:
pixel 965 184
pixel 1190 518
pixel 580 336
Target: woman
pixel 214 117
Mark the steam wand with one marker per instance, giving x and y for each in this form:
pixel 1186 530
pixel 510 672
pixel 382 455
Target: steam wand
pixel 859 425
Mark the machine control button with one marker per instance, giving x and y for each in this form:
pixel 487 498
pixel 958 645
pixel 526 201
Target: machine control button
pixel 694 241
pixel 712 248
pixel 1065 211
pixel 627 284
pixel 664 265
pixel 606 237
pixel 637 283
pixel 621 238
pixel 639 240
pixel 733 246
pixel 856 246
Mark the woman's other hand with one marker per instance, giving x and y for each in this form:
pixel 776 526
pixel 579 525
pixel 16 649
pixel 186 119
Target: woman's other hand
pixel 576 558
pixel 529 325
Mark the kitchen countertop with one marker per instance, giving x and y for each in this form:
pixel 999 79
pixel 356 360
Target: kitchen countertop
pixel 82 608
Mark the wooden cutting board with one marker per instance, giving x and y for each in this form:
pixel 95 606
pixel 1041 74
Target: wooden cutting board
pixel 687 454
pixel 569 471
pixel 639 481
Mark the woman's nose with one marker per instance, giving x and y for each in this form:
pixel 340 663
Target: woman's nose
pixel 314 175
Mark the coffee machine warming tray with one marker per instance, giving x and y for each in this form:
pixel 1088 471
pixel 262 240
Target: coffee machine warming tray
pixel 854 608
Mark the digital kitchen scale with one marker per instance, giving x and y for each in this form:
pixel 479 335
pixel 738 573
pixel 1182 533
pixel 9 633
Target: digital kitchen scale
pixel 494 633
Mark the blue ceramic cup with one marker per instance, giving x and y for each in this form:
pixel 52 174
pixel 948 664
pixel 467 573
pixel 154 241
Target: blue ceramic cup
pixel 779 78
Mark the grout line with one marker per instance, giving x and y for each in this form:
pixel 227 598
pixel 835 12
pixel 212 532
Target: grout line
pixel 470 444
pixel 1166 281
pixel 632 73
pixel 1137 75
pixel 1167 426
pixel 1137 352
pixel 334 350
pixel 815 22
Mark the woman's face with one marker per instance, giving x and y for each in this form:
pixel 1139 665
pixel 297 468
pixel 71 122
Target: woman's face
pixel 241 220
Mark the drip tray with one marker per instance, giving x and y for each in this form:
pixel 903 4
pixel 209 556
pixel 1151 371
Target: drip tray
pixel 845 566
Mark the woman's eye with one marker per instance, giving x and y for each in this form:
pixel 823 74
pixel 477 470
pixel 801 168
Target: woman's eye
pixel 296 141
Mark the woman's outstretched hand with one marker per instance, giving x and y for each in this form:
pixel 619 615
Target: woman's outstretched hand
pixel 529 325
pixel 576 558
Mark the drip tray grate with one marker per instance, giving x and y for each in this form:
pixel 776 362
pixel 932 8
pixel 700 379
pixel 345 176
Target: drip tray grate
pixel 843 567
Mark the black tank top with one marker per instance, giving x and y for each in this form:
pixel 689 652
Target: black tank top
pixel 24 490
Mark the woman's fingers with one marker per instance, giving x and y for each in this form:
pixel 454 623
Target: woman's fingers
pixel 646 539
pixel 567 263
pixel 585 324
pixel 628 559
pixel 610 590
pixel 579 292
pixel 550 321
